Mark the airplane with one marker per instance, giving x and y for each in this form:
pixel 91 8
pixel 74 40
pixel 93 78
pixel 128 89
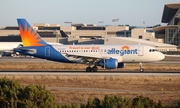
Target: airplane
pixel 8 47
pixel 105 56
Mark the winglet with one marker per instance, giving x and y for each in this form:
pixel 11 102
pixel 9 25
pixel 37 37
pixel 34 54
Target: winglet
pixel 29 36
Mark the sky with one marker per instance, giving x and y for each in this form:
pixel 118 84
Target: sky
pixel 131 12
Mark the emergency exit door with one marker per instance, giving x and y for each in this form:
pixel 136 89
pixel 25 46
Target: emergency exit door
pixel 47 51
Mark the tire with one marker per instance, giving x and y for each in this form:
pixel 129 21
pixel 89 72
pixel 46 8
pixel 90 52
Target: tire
pixel 141 70
pixel 94 69
pixel 88 69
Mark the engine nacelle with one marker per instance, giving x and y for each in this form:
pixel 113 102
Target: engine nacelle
pixel 110 63
pixel 121 65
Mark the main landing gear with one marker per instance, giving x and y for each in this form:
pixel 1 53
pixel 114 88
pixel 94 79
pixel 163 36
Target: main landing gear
pixel 93 69
pixel 141 68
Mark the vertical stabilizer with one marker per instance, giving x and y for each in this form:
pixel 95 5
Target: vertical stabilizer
pixel 28 35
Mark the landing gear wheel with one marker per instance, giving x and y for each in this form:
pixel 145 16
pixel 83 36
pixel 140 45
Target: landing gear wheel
pixel 94 69
pixel 88 69
pixel 141 67
pixel 141 70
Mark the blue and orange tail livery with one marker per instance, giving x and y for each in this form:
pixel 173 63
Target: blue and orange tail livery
pixel 29 36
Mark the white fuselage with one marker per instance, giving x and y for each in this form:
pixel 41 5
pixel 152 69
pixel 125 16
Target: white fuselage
pixel 123 53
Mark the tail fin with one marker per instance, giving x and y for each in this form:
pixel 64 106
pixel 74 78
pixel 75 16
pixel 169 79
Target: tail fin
pixel 29 36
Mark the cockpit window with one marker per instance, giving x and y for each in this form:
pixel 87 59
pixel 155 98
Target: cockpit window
pixel 153 50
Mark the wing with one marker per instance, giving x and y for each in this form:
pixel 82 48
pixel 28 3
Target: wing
pixel 90 58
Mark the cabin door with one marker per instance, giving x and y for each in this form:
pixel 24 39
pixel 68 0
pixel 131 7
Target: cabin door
pixel 140 51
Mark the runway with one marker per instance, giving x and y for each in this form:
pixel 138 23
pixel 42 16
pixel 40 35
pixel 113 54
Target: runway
pixel 168 60
pixel 82 72
pixel 89 74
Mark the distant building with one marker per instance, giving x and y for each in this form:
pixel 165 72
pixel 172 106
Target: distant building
pixel 9 34
pixel 170 33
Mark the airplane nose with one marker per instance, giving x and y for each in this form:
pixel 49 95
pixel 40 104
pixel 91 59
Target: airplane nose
pixel 161 56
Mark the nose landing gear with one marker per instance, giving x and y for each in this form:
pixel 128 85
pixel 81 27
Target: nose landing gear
pixel 141 67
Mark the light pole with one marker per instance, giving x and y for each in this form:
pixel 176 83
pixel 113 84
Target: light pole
pixel 68 22
pixel 101 22
pixel 101 26
pixel 115 20
pixel 144 24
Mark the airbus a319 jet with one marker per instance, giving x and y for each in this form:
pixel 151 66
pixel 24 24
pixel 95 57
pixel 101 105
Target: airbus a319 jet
pixel 105 56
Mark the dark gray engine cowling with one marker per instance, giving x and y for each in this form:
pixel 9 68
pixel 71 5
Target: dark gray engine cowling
pixel 110 63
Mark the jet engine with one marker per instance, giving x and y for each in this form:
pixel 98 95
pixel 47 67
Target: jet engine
pixel 111 63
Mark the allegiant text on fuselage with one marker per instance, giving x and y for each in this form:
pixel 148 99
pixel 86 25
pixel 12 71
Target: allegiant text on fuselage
pixel 122 51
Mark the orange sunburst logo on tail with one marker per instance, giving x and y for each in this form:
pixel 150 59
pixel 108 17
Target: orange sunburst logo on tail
pixel 30 37
pixel 125 48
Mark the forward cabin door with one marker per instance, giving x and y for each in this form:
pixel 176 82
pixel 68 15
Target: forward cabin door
pixel 140 51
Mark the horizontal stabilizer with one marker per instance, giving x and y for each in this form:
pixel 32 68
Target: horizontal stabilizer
pixel 23 49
